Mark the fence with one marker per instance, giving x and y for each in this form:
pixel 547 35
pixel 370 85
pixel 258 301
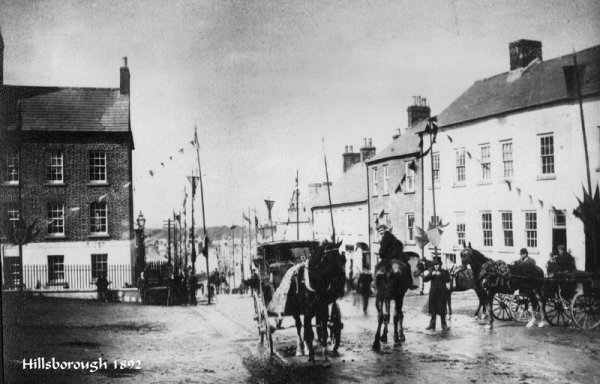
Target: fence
pixel 66 277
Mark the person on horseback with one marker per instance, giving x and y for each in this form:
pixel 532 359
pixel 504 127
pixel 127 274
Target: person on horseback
pixel 391 248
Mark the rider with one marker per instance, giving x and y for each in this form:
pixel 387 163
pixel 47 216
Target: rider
pixel 392 248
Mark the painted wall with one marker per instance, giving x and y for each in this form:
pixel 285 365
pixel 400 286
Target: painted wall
pixel 529 191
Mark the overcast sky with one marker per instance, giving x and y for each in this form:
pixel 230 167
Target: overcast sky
pixel 265 80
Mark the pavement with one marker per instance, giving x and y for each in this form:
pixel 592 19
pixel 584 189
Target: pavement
pixel 219 344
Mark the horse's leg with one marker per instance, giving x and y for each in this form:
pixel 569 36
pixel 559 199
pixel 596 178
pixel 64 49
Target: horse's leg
pixel 398 320
pixel 299 341
pixel 489 304
pixel 309 336
pixel 321 318
pixel 386 319
pixel 378 305
pixel 542 323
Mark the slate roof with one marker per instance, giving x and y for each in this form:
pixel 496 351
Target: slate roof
pixel 541 82
pixel 64 109
pixel 348 189
pixel 405 145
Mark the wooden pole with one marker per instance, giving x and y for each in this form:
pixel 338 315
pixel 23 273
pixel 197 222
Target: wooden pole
pixel 329 194
pixel 585 147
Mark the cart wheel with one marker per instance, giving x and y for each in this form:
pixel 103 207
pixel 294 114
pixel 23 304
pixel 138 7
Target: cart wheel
pixel 556 311
pixel 585 310
pixel 500 306
pixel 519 308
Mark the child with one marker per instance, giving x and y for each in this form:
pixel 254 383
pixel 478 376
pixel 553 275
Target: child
pixel 438 293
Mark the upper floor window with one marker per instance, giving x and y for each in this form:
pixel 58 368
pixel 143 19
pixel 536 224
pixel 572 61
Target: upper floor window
pixel 547 154
pixel 98 218
pixel 56 218
pixel 507 227
pixel 435 159
pixel 461 175
pixel 410 227
pixel 11 174
pixel 386 179
pixel 98 166
pixel 375 192
pixel 507 159
pixel 531 229
pixel 486 226
pixel 54 167
pixel 486 161
pixel 410 176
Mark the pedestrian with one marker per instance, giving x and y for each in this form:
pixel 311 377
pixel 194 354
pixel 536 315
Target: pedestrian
pixel 438 293
pixel 192 284
pixel 142 285
pixel 350 281
pixel 392 248
pixel 102 287
pixel 364 287
pixel 525 258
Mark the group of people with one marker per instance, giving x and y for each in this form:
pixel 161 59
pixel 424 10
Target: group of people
pixel 439 278
pixel 181 289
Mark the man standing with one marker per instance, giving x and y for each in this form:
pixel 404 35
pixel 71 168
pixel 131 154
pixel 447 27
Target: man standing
pixel 363 287
pixel 192 283
pixel 392 248
pixel 102 287
pixel 438 293
pixel 141 286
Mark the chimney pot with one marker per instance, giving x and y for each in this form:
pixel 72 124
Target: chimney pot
pixel 125 61
pixel 351 149
pixel 370 142
pixel 346 149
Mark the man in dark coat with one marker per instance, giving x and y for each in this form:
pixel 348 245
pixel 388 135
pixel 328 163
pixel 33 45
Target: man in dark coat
pixel 142 286
pixel 392 248
pixel 438 293
pixel 192 285
pixel 363 287
pixel 102 287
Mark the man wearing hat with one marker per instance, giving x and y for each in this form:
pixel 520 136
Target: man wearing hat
pixel 438 293
pixel 525 257
pixel 392 248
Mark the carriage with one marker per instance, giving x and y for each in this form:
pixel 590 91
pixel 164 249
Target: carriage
pixel 272 263
pixel 567 297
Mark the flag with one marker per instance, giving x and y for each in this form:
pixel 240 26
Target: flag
pixel 181 151
pixel 398 188
pixel 256 222
pixel 177 218
pixel 163 164
pixel 541 203
pixel 403 179
pixel 126 185
pixel 449 138
pixel 246 218
pixel 196 143
pixel 469 154
pixel 103 197
pixel 412 165
pixel 151 172
pixel 509 186
pixel 518 191
pixel 170 157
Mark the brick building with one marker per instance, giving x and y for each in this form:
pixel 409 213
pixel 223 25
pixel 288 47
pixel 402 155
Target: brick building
pixel 66 172
pixel 395 186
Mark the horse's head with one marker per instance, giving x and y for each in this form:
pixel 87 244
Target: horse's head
pixel 467 255
pixel 423 265
pixel 326 268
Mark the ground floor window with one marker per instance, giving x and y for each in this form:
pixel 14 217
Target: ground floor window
pixel 486 225
pixel 507 228
pixel 531 229
pixel 56 267
pixel 99 264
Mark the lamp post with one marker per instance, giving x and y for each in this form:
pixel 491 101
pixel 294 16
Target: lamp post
pixel 141 248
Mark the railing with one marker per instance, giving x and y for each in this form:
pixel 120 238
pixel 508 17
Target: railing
pixel 66 277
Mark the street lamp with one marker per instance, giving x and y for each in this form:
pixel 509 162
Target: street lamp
pixel 141 248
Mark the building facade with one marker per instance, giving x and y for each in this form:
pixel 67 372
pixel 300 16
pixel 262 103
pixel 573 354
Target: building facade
pixel 395 180
pixel 509 157
pixel 66 183
pixel 348 208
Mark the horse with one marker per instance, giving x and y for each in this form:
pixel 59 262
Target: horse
pixel 392 282
pixel 461 280
pixel 316 284
pixel 492 279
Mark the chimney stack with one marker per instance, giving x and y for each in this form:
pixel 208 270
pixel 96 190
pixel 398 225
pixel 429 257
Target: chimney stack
pixel 418 111
pixel 522 52
pixel 350 158
pixel 125 76
pixel 368 150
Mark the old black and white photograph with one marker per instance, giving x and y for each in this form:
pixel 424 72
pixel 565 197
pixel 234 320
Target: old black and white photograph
pixel 312 191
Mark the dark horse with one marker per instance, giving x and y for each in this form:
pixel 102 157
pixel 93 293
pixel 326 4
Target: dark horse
pixel 392 282
pixel 461 280
pixel 316 284
pixel 489 276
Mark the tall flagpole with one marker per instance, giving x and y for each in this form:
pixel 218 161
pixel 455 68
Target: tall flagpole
pixel 205 250
pixel 329 194
pixel 297 210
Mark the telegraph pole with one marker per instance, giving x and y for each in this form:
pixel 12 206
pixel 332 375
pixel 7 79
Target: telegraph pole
pixel 167 223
